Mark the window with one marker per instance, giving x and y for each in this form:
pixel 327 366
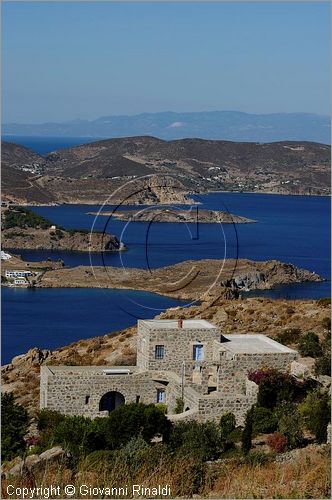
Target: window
pixel 137 399
pixel 87 399
pixel 159 352
pixel 198 353
pixel 160 396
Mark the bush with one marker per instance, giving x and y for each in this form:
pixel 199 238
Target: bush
pixel 275 387
pixel 75 434
pixel 24 218
pixel 227 425
pixel 14 426
pixel 323 366
pixel 316 412
pixel 255 458
pixel 289 336
pixel 128 421
pixel 326 301
pixel 263 420
pixel 195 439
pixel 326 324
pixel 309 345
pixel 247 433
pixel 290 423
pixel 277 442
pixel 179 407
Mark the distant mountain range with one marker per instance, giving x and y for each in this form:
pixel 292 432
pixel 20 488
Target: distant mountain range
pixel 218 125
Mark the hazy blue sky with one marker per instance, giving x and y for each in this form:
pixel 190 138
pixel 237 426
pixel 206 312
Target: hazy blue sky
pixel 63 61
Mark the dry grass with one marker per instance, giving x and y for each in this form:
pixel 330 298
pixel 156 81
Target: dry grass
pixel 309 477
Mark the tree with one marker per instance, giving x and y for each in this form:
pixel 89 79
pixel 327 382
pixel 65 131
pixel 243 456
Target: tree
pixel 323 365
pixel 263 420
pixel 316 412
pixel 128 421
pixel 14 426
pixel 196 439
pixel 290 423
pixel 309 345
pixel 227 425
pixel 275 387
pixel 247 433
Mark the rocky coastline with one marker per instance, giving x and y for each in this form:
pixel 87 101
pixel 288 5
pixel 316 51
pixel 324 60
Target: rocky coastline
pixel 189 280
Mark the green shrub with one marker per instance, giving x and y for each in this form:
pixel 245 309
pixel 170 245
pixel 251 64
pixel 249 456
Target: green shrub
pixel 227 425
pixel 290 423
pixel 326 324
pixel 24 218
pixel 289 336
pixel 263 420
pixel 316 411
pixel 75 434
pixel 275 387
pixel 255 458
pixel 195 439
pixel 309 345
pixel 323 365
pixel 128 421
pixel 14 426
pixel 179 407
pixel 247 433
pixel 326 301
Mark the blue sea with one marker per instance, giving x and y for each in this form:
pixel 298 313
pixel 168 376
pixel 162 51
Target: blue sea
pixel 293 229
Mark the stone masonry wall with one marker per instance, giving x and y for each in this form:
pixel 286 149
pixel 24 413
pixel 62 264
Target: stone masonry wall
pixel 178 346
pixel 232 373
pixel 68 392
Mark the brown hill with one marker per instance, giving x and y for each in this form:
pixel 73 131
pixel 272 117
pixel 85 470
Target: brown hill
pixel 90 173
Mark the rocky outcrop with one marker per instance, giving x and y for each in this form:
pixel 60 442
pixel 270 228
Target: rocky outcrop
pixel 33 462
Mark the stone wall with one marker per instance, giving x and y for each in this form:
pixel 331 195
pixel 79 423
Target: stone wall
pixel 234 368
pixel 178 346
pixel 79 392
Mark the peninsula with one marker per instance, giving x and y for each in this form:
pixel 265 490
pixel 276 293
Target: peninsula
pixel 189 280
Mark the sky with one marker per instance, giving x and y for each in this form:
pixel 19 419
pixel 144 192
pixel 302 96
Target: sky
pixel 81 60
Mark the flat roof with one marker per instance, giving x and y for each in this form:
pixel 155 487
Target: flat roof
pixel 251 343
pixel 187 324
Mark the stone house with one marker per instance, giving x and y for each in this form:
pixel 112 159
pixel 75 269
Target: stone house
pixel 190 360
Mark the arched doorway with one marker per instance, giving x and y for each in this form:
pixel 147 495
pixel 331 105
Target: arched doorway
pixel 111 400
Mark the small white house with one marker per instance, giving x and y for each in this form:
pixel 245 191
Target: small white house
pixel 17 274
pixel 20 281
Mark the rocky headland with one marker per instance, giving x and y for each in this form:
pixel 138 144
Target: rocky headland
pixel 189 280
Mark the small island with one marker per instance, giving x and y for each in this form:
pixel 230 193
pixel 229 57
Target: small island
pixel 163 214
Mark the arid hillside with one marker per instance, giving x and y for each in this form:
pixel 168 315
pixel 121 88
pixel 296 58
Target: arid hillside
pixel 91 173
